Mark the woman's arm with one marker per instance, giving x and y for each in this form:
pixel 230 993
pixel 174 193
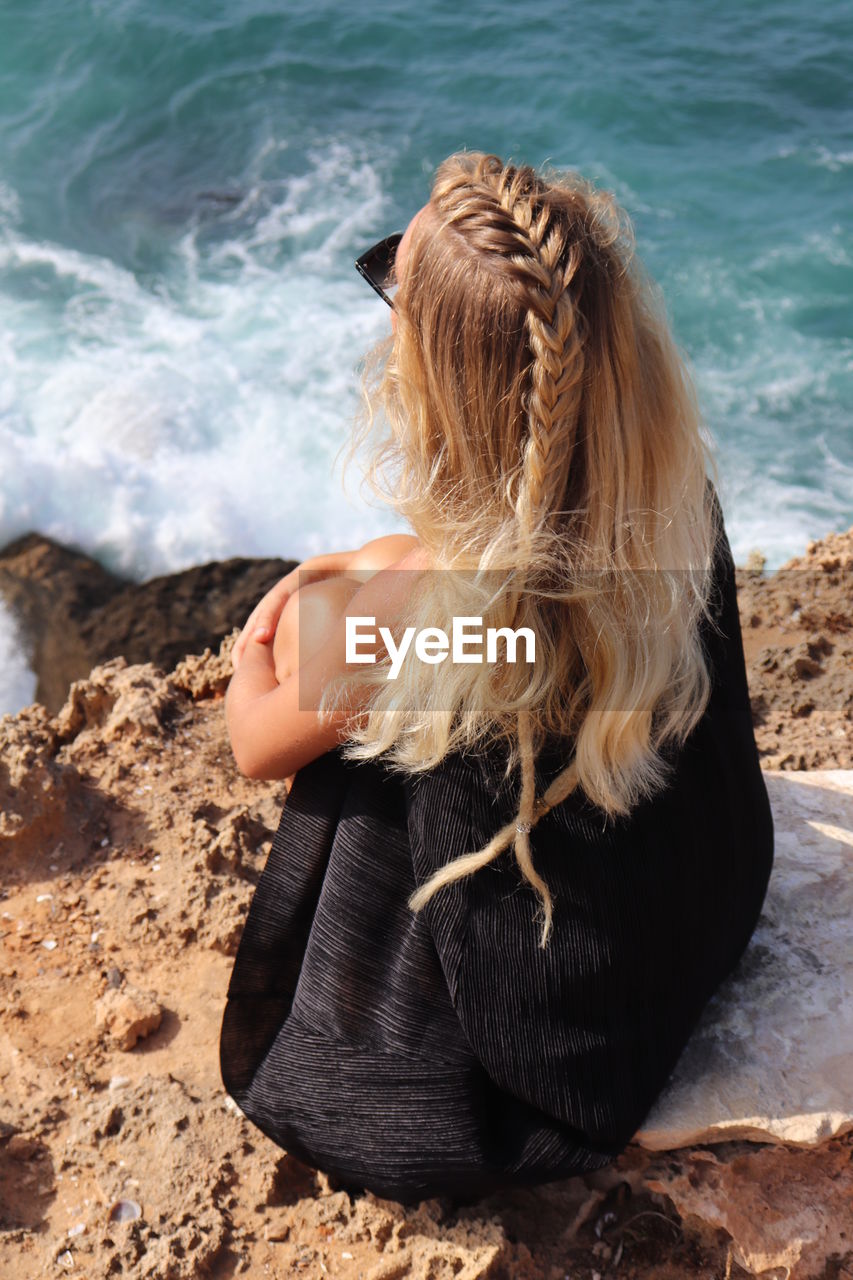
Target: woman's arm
pixel 374 555
pixel 271 737
pixel 307 620
pixel 262 621
pixel 274 727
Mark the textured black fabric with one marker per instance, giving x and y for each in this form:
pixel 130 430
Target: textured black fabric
pixel 445 1052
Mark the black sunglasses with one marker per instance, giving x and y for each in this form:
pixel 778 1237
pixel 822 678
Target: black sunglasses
pixel 377 265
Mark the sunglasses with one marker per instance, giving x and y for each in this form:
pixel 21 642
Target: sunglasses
pixel 377 266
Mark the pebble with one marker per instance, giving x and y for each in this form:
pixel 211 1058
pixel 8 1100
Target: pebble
pixel 125 1211
pixel 127 1015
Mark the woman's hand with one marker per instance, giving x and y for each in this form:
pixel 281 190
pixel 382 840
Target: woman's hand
pixel 263 620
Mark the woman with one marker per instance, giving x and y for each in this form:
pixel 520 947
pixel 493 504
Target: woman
pixel 394 1015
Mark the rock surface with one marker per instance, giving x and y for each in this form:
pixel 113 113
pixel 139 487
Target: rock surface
pixel 772 1056
pixel 130 847
pixel 74 614
pixel 127 1015
pixel 786 1212
pixel 797 629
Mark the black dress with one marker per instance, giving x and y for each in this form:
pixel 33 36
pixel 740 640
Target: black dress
pixel 445 1052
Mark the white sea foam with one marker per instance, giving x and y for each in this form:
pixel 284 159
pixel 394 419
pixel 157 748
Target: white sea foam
pixel 817 154
pixel 159 428
pixel 17 681
pixel 832 160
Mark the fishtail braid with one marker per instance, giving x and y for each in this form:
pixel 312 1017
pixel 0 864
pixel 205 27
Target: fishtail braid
pixel 502 207
pixel 554 402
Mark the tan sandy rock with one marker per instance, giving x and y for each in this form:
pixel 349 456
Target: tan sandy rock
pixel 136 848
pixel 37 790
pixel 797 626
pixel 783 1209
pixel 206 675
pixel 148 1143
pixel 134 706
pixel 127 1015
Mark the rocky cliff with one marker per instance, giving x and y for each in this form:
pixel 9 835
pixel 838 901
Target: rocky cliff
pixel 130 846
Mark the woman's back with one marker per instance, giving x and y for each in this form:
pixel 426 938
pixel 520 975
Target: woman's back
pixel 446 1051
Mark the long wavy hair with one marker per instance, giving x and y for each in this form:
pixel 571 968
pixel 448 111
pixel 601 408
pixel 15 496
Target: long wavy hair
pixel 543 441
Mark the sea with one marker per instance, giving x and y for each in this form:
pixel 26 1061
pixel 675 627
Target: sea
pixel 185 184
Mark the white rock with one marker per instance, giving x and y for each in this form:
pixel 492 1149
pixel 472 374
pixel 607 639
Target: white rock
pixel 772 1056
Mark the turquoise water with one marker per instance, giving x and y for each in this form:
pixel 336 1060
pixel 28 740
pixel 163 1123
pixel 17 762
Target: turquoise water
pixel 184 186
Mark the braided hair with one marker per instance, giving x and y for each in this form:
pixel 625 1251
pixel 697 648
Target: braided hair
pixel 530 352
pixel 505 206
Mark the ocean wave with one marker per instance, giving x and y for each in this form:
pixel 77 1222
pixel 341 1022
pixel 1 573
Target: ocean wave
pixel 158 425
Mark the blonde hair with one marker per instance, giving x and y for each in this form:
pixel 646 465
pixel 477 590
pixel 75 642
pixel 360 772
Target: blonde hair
pixel 544 434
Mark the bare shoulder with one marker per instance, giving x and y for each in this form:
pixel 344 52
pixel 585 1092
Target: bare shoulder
pixel 387 591
pixel 418 558
pixel 372 586
pixel 382 553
